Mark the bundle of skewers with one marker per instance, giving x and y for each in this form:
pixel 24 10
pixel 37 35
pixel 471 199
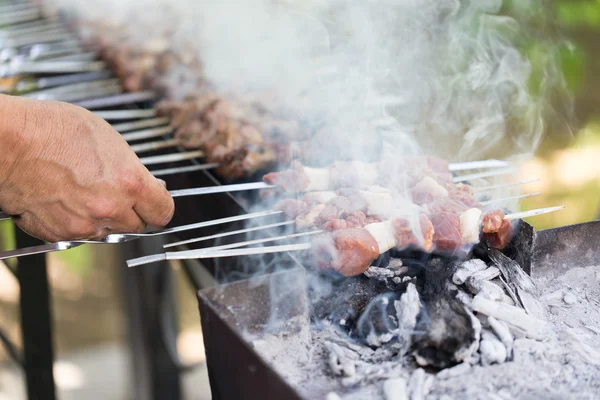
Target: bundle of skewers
pixel 353 212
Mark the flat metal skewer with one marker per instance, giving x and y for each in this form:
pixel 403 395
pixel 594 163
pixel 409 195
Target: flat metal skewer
pixel 225 234
pixel 50 67
pixel 516 197
pixel 29 30
pixel 42 37
pixel 222 253
pixel 54 81
pixel 16 17
pixel 180 170
pixel 477 165
pixel 168 158
pixel 147 133
pixel 83 94
pixel 486 174
pixel 238 187
pixel 119 100
pixel 8 8
pixel 115 115
pixel 532 213
pixel 122 238
pixel 151 146
pixel 83 57
pixel 145 123
pixel 187 254
pixel 72 87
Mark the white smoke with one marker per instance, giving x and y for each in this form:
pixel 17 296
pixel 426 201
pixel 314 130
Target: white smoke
pixel 446 76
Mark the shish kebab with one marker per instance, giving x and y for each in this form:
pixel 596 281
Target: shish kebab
pixel 447 218
pixel 252 185
pixel 119 238
pixel 238 249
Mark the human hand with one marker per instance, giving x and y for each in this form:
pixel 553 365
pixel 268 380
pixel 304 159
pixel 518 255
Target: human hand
pixel 65 174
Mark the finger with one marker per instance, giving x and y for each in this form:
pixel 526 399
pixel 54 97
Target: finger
pixel 162 183
pixel 128 222
pixel 153 203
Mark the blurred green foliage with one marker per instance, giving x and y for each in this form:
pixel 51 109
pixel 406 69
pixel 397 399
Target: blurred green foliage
pixel 578 13
pixel 79 260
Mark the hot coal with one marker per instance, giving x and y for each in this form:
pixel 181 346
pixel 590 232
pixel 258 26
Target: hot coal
pixel 348 299
pixel 378 319
pixel 445 331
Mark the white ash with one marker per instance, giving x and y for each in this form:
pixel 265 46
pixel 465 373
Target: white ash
pixel 395 389
pixel 561 359
pixel 394 271
pixel 467 269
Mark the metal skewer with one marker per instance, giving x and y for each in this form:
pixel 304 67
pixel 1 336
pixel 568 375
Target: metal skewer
pixel 179 170
pixel 151 146
pixel 238 187
pixel 532 213
pixel 112 115
pixel 122 238
pixel 147 133
pixel 50 82
pixel 83 57
pixel 486 174
pixel 224 253
pixel 119 100
pixel 175 157
pixel 56 36
pixel 145 123
pixel 517 197
pixel 85 88
pixel 8 8
pixel 225 234
pixel 29 30
pixel 476 165
pixel 18 16
pixel 50 67
pixel 183 255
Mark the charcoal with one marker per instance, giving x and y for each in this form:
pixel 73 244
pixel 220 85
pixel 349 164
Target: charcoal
pixel 520 248
pixel 445 329
pixel 347 300
pixel 378 321
pixel 511 270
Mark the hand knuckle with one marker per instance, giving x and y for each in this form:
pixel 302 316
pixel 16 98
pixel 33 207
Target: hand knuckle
pixel 106 209
pixel 131 181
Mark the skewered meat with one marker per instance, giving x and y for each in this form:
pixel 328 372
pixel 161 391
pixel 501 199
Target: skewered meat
pixel 497 230
pixel 404 172
pixel 351 250
pixel 346 251
pixel 492 221
pixel 233 131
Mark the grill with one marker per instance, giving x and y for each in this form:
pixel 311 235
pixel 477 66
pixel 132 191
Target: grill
pixel 235 315
pixel 59 68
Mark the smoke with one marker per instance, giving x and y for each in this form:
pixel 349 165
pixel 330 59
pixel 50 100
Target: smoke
pixel 374 79
pixel 443 77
